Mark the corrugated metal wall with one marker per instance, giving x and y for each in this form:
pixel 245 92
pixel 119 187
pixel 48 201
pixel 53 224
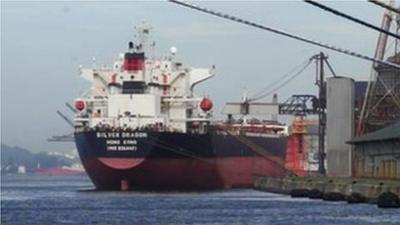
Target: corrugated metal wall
pixel 377 159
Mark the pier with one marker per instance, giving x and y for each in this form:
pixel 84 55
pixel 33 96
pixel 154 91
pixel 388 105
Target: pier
pixel 353 190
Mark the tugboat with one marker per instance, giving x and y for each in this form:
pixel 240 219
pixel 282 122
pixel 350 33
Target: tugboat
pixel 141 126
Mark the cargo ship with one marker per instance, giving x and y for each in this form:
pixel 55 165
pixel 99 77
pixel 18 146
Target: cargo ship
pixel 141 126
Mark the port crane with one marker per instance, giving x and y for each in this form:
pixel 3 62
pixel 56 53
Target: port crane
pixel 381 104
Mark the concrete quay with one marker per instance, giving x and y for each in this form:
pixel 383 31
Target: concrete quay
pixel 354 190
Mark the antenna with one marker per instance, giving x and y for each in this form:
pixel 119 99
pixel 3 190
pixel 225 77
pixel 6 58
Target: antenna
pixel 142 35
pixel 94 62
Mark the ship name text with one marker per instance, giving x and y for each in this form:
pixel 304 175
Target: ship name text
pixel 121 141
pixel 121 135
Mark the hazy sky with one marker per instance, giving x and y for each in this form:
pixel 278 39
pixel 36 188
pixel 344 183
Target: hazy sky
pixel 43 43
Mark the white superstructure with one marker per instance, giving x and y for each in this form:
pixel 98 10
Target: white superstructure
pixel 141 92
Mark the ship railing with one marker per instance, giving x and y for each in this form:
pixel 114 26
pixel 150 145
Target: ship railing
pixel 82 119
pixel 97 100
pixel 246 131
pixel 184 99
pixel 252 129
pixel 198 119
pixel 93 93
pixel 147 128
pixel 250 134
pixel 112 124
pixel 181 94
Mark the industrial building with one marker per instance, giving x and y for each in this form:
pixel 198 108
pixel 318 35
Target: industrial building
pixel 377 154
pixel 384 97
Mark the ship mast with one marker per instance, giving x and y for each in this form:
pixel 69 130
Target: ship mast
pixel 142 36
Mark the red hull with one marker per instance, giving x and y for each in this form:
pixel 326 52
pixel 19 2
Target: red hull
pixel 58 172
pixel 184 173
pixel 172 161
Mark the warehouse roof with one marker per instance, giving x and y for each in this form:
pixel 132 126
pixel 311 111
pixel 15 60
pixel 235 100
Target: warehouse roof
pixel 388 133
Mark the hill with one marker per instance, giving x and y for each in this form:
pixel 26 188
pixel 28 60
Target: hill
pixel 14 157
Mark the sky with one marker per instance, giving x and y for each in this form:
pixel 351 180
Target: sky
pixel 43 43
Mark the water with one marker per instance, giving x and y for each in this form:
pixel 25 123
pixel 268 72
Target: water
pixel 71 200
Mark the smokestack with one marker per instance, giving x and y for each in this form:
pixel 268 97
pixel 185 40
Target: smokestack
pixel 131 46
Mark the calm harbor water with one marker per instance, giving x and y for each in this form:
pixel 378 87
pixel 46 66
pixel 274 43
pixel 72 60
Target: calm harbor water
pixel 71 200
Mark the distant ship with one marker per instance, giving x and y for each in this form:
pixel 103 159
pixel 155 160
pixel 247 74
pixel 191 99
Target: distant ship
pixel 141 126
pixel 59 171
